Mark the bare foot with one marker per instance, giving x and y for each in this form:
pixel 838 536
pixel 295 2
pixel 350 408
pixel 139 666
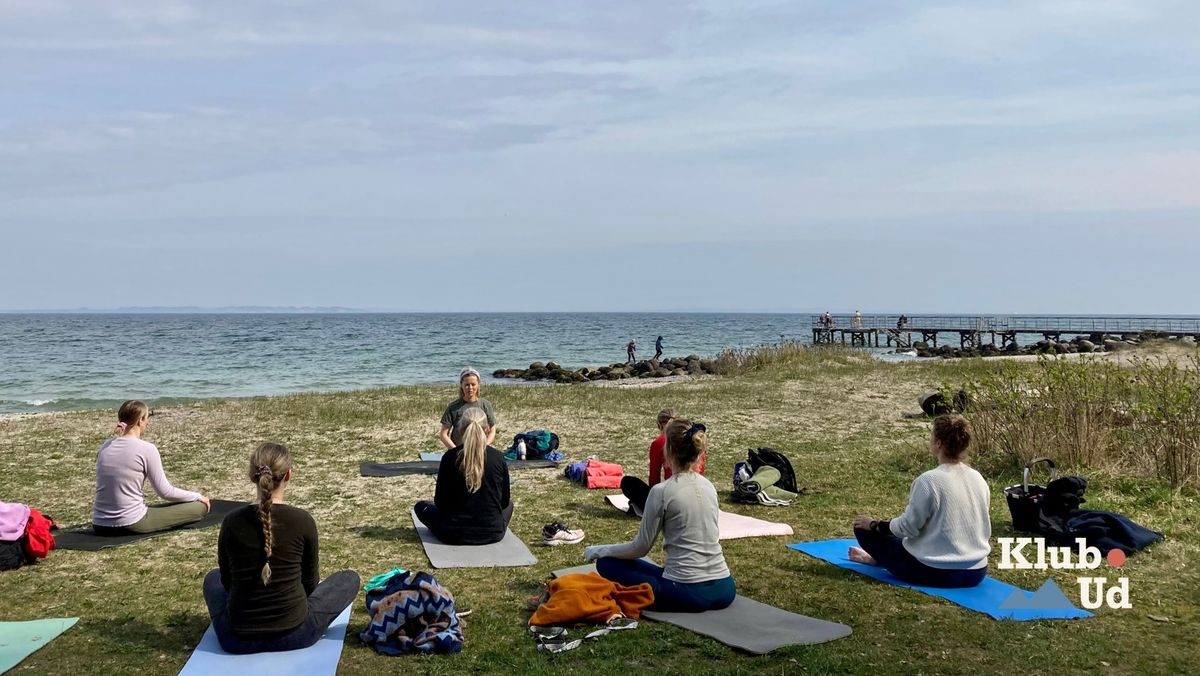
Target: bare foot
pixel 861 556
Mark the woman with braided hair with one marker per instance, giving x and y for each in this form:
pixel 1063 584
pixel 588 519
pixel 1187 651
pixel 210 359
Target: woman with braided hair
pixel 267 594
pixel 694 577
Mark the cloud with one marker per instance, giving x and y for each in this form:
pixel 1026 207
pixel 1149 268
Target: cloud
pixel 580 123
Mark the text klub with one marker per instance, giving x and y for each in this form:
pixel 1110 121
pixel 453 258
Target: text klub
pixel 1034 554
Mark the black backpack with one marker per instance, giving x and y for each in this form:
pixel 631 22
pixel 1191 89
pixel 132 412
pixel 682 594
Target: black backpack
pixel 757 457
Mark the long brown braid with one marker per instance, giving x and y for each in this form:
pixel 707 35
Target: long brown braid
pixel 269 463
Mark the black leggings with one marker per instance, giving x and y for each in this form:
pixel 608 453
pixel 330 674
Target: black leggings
pixel 326 602
pixel 636 490
pixel 889 552
pixel 429 515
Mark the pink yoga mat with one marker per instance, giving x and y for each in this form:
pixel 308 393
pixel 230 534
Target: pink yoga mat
pixel 731 526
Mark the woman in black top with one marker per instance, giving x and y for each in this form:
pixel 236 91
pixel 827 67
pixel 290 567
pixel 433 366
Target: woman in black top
pixel 471 505
pixel 266 595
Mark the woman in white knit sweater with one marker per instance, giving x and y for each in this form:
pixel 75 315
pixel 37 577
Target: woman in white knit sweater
pixel 943 538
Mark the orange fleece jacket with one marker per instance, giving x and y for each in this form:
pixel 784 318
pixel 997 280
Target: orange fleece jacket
pixel 587 597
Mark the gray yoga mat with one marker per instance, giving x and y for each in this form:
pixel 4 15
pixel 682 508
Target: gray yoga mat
pixel 84 539
pixel 386 469
pixel 509 552
pixel 746 624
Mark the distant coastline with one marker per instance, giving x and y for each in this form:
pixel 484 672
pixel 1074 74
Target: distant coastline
pixel 195 310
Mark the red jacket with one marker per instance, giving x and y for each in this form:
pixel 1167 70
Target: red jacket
pixel 659 465
pixel 603 474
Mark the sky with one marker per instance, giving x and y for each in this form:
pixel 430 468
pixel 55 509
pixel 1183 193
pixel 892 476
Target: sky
pixel 792 156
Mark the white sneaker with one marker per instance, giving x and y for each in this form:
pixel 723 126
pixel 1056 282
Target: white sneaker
pixel 558 533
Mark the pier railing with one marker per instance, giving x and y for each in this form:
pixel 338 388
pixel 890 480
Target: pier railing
pixel 1175 326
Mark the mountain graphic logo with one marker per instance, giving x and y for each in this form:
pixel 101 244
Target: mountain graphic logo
pixel 1047 597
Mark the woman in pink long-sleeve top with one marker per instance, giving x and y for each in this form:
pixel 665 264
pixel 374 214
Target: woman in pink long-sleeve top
pixel 123 465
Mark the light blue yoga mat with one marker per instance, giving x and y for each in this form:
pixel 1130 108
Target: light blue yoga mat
pixel 19 640
pixel 992 597
pixel 320 658
pixel 425 455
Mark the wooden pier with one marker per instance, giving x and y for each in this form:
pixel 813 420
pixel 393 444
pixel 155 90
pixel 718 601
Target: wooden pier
pixel 973 331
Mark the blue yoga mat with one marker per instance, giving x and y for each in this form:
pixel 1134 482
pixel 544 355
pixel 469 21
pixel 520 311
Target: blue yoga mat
pixel 19 640
pixel 432 456
pixel 320 658
pixel 994 598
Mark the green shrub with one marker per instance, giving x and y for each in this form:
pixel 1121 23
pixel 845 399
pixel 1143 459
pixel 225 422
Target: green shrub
pixel 1091 413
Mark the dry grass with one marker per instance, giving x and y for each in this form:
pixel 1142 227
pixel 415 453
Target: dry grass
pixel 839 417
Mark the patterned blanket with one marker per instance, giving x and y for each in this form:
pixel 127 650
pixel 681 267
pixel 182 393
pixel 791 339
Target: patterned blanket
pixel 411 612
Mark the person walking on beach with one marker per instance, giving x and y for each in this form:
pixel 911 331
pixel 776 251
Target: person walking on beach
pixel 468 397
pixel 658 347
pixel 123 464
pixel 631 350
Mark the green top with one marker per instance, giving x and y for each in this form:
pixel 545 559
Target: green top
pixel 454 413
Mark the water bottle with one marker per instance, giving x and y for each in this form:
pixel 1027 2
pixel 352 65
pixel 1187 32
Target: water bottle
pixel 521 450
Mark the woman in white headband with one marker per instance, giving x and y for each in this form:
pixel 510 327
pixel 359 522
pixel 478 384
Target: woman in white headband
pixel 468 397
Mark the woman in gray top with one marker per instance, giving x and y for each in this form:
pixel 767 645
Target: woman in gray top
pixel 684 509
pixel 468 397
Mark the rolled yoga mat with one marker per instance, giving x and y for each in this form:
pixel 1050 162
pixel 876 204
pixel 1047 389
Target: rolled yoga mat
pixel 746 624
pixel 388 469
pixel 320 658
pixel 993 598
pixel 19 640
pixel 729 526
pixel 507 553
pixel 83 539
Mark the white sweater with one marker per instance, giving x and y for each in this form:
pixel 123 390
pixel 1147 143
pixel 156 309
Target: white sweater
pixel 684 508
pixel 946 524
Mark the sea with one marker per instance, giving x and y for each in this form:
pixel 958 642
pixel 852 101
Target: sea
pixel 56 362
pixel 73 361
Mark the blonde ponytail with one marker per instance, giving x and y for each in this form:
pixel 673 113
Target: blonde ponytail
pixel 474 445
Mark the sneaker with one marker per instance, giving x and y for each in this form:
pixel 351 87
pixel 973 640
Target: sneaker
pixel 558 533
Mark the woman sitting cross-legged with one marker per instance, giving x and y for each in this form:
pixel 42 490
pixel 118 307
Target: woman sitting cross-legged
pixel 267 594
pixel 637 490
pixel 943 537
pixel 471 504
pixel 123 465
pixel 684 509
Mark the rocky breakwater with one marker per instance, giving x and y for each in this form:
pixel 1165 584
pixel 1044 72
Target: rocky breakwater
pixel 691 365
pixel 1078 344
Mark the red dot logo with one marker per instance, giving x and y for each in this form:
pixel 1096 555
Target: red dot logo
pixel 1116 558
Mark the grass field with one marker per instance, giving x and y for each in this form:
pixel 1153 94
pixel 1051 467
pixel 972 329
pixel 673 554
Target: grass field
pixel 839 417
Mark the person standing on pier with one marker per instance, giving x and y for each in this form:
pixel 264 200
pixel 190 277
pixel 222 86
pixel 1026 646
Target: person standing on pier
pixel 631 350
pixel 658 347
pixel 857 324
pixel 902 321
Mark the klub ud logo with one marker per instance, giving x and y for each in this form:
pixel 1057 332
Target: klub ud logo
pixel 1093 591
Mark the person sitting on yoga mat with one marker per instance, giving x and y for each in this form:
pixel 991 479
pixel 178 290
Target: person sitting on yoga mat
pixel 942 538
pixel 471 504
pixel 468 398
pixel 694 577
pixel 267 594
pixel 634 488
pixel 123 465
